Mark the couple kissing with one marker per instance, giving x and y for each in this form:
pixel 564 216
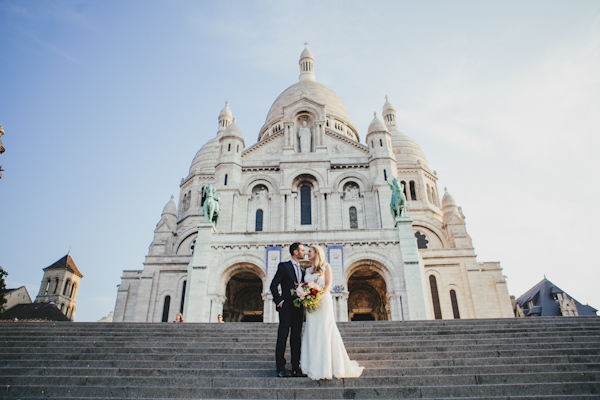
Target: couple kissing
pixel 319 351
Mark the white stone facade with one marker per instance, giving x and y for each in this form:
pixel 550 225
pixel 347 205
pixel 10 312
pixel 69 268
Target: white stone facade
pixel 308 179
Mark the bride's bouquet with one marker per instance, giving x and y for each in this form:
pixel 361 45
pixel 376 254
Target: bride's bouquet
pixel 307 295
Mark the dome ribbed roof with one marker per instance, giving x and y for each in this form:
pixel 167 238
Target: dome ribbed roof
pixel 206 157
pixel 313 91
pixel 376 125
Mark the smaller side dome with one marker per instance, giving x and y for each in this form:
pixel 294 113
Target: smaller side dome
pixel 170 208
pixel 233 130
pixel 376 125
pixel 448 201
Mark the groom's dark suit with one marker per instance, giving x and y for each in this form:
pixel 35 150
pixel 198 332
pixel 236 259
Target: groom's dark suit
pixel 290 317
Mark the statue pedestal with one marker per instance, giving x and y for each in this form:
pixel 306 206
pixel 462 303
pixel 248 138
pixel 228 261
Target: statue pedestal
pixel 414 271
pixel 197 304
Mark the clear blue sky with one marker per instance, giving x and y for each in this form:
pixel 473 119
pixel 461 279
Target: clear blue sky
pixel 104 105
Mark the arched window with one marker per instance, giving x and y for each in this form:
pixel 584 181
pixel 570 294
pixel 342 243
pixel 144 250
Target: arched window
pixel 68 311
pixel 192 246
pixel 404 189
pixel 305 205
pixel 353 218
pixel 428 193
pixel 435 297
pixel 229 147
pixel 167 305
pixel 55 285
pixel 72 294
pixel 62 306
pixel 47 287
pixel 380 143
pixel 238 149
pixel 413 191
pixel 421 240
pixel 66 288
pixel 385 174
pixel 182 297
pixel 454 304
pixel 225 180
pixel 258 226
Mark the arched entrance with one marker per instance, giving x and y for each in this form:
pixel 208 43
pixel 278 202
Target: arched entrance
pixel 367 300
pixel 244 302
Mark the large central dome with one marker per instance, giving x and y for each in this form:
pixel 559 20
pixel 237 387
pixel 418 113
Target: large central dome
pixel 308 88
pixel 313 91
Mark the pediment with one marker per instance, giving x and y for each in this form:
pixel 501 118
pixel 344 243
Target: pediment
pixel 163 226
pixel 304 104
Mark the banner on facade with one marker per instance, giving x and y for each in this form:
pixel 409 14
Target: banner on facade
pixel 273 259
pixel 336 257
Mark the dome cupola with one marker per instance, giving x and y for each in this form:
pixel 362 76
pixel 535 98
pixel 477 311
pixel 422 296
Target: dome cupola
pixel 307 65
pixel 225 117
pixel 389 113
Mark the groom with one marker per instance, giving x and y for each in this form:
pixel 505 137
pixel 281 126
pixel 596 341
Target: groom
pixel 290 317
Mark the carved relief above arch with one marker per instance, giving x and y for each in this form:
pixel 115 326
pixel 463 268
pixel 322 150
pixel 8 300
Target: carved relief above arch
pixel 343 179
pixel 293 180
pixel 374 261
pixel 242 262
pixel 262 179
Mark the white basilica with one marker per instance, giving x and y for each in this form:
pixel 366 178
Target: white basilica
pixel 309 179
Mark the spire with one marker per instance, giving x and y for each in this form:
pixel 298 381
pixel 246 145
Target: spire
pixel 225 117
pixel 389 113
pixel 307 65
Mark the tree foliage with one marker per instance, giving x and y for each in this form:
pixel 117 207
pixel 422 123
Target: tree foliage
pixel 3 273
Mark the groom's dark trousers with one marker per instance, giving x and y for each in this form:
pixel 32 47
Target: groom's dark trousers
pixel 290 316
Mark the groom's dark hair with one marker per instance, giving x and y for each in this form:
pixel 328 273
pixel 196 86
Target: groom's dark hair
pixel 293 248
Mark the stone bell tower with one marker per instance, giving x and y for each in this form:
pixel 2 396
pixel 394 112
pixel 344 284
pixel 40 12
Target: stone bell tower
pixel 60 285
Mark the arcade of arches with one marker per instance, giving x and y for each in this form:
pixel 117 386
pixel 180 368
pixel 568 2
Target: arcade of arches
pixel 243 298
pixel 367 300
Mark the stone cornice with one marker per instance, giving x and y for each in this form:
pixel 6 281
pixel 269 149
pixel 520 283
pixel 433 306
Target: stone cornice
pixel 262 143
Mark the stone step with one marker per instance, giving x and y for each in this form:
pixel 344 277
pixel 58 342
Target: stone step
pixel 6 342
pixel 268 364
pixel 225 382
pixel 267 371
pixel 509 358
pixel 324 390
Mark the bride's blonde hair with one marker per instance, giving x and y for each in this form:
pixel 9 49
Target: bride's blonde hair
pixel 319 259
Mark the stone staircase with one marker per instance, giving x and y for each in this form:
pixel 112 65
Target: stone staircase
pixel 534 358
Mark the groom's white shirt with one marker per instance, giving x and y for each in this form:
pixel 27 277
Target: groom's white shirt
pixel 297 272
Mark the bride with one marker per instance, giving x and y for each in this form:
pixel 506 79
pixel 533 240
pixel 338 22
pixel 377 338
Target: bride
pixel 323 353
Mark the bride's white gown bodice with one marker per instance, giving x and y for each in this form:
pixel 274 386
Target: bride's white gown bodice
pixel 323 354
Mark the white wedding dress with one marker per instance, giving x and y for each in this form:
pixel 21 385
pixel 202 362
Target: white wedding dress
pixel 323 353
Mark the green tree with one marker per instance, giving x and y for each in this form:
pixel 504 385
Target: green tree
pixel 3 273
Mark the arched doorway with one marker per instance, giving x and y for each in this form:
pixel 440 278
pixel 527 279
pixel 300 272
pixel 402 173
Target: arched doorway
pixel 244 301
pixel 367 300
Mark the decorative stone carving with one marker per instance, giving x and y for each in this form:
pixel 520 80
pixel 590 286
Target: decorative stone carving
pixel 272 150
pixel 351 193
pixel 261 195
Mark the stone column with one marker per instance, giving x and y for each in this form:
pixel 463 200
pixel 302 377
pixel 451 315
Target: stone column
pixel 216 307
pixel 269 312
pixel 414 271
pixel 197 304
pixel 395 306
